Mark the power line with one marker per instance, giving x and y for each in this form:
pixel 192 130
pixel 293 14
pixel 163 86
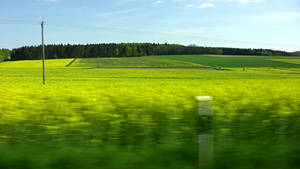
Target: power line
pixel 20 22
pixel 139 32
pixel 127 31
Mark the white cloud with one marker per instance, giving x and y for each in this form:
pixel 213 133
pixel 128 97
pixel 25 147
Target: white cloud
pixel 189 5
pixel 246 1
pixel 158 2
pixel 206 5
pixel 6 46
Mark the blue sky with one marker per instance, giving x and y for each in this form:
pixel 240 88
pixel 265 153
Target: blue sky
pixel 272 24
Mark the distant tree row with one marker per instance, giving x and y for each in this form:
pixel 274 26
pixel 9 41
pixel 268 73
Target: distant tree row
pixel 297 53
pixel 4 54
pixel 129 50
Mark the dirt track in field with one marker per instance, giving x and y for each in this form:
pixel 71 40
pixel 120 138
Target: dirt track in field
pixel 156 68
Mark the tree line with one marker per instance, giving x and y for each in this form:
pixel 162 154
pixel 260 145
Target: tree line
pixel 130 50
pixel 4 54
pixel 296 53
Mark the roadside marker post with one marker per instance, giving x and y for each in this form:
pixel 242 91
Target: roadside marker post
pixel 205 137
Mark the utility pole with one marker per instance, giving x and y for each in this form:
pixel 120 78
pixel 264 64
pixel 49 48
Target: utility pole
pixel 43 47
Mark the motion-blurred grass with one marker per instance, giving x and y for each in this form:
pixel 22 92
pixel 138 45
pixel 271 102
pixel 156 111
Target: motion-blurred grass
pixel 91 118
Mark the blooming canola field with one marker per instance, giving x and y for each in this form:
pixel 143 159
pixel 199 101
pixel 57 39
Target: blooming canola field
pixel 85 107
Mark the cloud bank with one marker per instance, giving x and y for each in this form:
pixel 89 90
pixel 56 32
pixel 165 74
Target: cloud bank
pixel 206 5
pixel 245 1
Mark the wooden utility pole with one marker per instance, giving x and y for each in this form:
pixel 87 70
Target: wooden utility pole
pixel 43 47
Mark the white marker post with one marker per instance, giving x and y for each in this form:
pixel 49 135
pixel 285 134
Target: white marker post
pixel 205 137
pixel 43 50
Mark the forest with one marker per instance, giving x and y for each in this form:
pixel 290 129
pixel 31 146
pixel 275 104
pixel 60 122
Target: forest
pixel 130 50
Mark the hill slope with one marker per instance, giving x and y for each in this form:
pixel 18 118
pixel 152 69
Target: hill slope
pixel 236 61
pixel 133 62
pixel 50 63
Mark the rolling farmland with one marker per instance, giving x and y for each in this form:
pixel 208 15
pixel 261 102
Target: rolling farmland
pixel 137 62
pixel 235 61
pixel 120 118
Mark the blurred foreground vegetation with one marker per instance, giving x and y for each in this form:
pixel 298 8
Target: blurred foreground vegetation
pixel 92 118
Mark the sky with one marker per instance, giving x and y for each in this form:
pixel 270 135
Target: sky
pixel 268 24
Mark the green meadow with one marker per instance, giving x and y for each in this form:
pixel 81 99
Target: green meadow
pixel 236 61
pixel 147 118
pixel 291 60
pixel 136 62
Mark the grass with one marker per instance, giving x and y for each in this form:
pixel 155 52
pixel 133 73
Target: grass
pixel 91 118
pixel 50 63
pixel 134 62
pixel 293 61
pixel 242 155
pixel 233 61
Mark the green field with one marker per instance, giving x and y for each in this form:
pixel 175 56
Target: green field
pixel 291 60
pixel 51 63
pixel 137 62
pixel 120 118
pixel 235 61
